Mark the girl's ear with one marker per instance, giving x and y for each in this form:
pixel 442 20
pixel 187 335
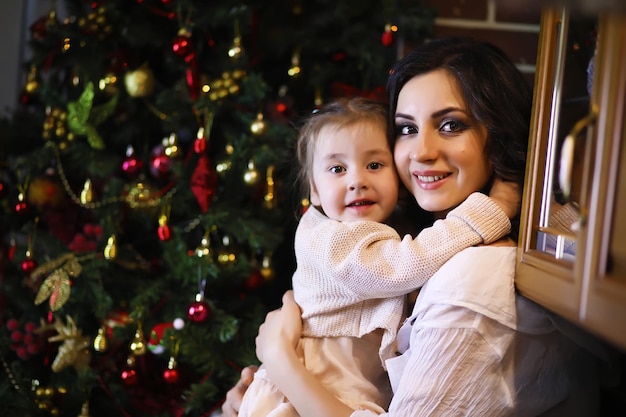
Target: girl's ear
pixel 314 197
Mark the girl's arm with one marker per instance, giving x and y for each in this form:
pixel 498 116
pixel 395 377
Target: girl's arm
pixel 370 259
pixel 276 348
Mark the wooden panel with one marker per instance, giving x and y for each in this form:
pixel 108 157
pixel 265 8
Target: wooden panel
pixel 542 278
pixel 603 308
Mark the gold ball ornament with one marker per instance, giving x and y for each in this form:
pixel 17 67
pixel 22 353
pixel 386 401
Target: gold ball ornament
pixel 142 194
pixel 109 83
pixel 251 175
pixel 226 254
pixel 258 126
pixel 267 271
pixel 44 191
pixel 204 250
pixel 140 82
pixel 138 344
pixel 32 81
pixel 100 342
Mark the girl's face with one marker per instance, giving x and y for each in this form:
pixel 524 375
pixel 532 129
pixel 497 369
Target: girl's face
pixel 353 173
pixel 440 150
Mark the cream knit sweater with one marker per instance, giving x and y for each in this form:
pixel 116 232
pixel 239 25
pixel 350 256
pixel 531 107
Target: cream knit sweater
pixel 351 277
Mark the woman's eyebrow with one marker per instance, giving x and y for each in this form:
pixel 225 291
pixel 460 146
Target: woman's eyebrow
pixel 403 116
pixel 447 110
pixel 434 115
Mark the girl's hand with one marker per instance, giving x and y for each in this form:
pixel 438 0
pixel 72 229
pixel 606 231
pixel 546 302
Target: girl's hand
pixel 507 195
pixel 280 332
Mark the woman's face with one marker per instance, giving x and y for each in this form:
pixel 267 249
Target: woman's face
pixel 440 149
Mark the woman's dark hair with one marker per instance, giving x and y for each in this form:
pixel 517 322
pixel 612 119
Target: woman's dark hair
pixel 494 90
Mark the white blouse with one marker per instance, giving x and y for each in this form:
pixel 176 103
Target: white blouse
pixel 473 347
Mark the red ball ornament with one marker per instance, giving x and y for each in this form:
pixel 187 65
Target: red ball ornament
pixel 129 377
pixel 132 166
pixel 198 311
pixel 199 145
pixel 28 265
pixel 21 207
pixel 254 281
pixel 164 232
pixel 387 38
pixel 181 45
pixel 160 163
pixel 3 189
pixel 39 29
pixel 170 375
pixel 44 192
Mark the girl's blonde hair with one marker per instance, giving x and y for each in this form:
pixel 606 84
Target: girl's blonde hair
pixel 340 113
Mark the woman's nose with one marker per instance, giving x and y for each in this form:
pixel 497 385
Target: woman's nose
pixel 424 148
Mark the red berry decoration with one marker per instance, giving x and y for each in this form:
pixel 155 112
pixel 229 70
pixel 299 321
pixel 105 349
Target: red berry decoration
pixel 198 311
pixel 12 324
pixel 25 343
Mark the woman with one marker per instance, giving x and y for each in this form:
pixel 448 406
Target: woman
pixel 472 345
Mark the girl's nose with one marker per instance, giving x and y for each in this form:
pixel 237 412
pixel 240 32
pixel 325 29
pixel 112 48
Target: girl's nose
pixel 357 185
pixel 356 182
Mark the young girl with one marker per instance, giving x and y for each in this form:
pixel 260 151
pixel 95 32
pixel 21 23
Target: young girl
pixel 473 346
pixel 347 164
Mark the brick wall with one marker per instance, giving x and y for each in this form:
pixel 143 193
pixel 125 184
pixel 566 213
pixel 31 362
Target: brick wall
pixel 511 25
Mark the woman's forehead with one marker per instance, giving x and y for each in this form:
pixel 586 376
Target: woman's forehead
pixel 435 89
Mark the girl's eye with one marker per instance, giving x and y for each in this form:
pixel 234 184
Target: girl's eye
pixel 336 169
pixel 453 126
pixel 403 130
pixel 374 165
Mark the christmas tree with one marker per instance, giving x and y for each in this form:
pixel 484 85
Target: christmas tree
pixel 147 200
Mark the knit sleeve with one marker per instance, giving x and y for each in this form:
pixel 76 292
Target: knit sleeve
pixel 372 261
pixel 483 216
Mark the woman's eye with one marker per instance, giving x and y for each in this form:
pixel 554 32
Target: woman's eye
pixel 336 169
pixel 453 126
pixel 403 130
